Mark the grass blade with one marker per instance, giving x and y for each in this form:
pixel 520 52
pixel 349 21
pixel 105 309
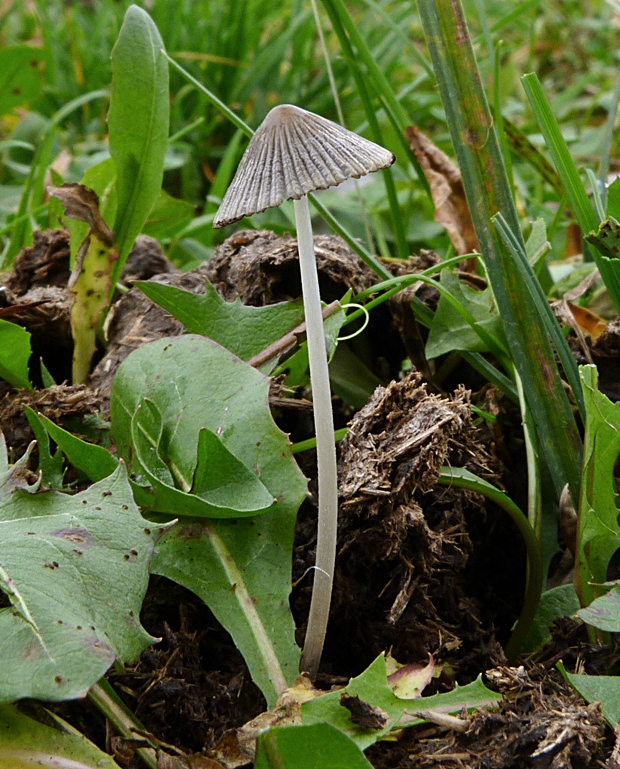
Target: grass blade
pixel 488 192
pixel 565 354
pixel 562 160
pixel 388 179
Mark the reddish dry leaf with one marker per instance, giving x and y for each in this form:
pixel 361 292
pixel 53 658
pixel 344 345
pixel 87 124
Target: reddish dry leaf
pixel 408 681
pixel 444 178
pixel 590 323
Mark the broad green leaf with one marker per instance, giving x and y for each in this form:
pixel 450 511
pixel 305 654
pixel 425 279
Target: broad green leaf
pixel 449 331
pixel 21 75
pixel 243 330
pixel 598 536
pixel 168 217
pixel 14 354
pixel 101 179
pixel 94 461
pixel 603 689
pixel 613 199
pixel 138 123
pixel 319 746
pixel 350 378
pixel 222 486
pixel 554 604
pixel 372 687
pixel 26 741
pixel 242 567
pixel 537 240
pixel 604 612
pixel 75 569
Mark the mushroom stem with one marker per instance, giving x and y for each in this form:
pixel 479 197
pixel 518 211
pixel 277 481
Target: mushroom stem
pixel 325 445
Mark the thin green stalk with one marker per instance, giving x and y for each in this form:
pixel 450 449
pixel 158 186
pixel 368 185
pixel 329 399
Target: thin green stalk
pixel 463 479
pixel 184 131
pixel 388 179
pixel 488 191
pixel 331 220
pixel 397 114
pixel 104 698
pixel 334 90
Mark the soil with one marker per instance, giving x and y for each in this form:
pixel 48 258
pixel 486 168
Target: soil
pixel 421 568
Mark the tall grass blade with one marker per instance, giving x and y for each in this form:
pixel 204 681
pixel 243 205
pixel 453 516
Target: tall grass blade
pixel 488 192
pixel 607 139
pixel 580 204
pixel 388 179
pixel 514 244
pixel 396 113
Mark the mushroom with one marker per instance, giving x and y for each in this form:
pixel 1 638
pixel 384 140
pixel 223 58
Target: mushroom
pixel 293 153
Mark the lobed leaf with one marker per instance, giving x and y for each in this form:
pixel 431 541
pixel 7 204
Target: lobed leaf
pixel 598 535
pixel 240 567
pixel 213 317
pixel 75 569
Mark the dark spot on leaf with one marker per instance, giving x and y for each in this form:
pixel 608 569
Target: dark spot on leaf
pixel 55 563
pixel 125 507
pixel 47 565
pixel 147 532
pixel 107 494
pixel 58 679
pixel 78 627
pixel 76 536
pixel 84 501
pixel 234 522
pixel 126 557
pixel 92 627
pixel 16 91
pixel 98 508
pixel 59 622
pixel 130 613
pixel 31 533
pixel 78 552
pixel 134 552
pixel 161 529
pixel 34 63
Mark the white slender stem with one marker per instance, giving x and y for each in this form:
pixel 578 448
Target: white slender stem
pixel 325 445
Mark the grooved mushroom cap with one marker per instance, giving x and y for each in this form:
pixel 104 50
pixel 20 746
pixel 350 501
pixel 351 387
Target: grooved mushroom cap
pixel 292 153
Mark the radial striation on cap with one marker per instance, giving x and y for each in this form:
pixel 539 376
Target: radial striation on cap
pixel 292 153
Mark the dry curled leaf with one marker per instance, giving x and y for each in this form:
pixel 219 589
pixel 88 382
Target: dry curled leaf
pixel 448 193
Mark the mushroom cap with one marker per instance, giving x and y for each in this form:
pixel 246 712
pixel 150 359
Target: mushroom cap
pixel 292 153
